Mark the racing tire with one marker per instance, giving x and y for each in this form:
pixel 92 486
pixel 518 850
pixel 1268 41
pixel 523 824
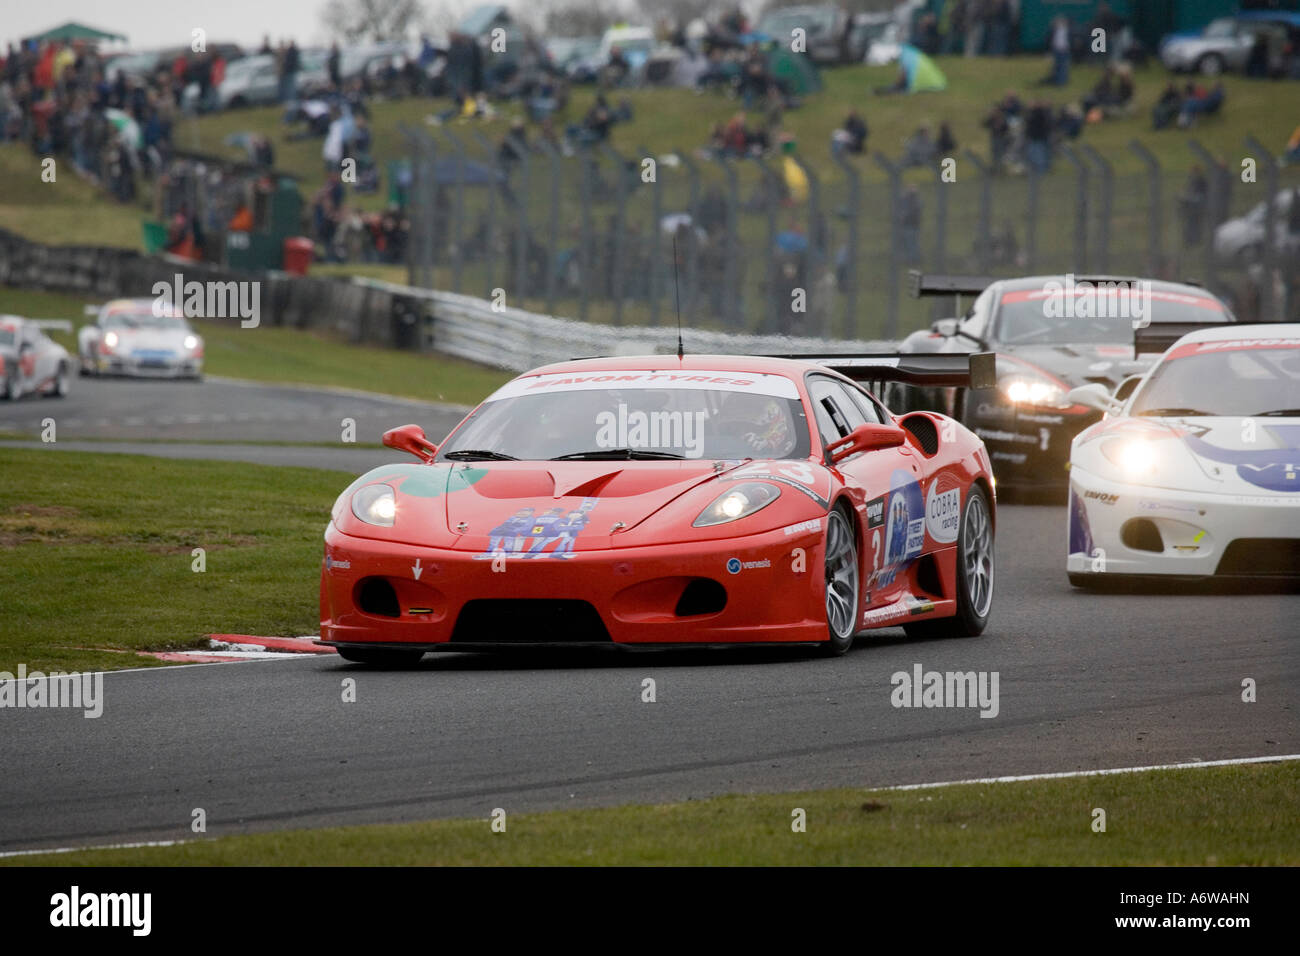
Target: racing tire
pixel 843 583
pixel 13 389
pixel 975 567
pixel 380 656
pixel 61 386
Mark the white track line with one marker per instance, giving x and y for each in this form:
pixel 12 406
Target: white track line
pixel 102 846
pixel 171 666
pixel 1096 773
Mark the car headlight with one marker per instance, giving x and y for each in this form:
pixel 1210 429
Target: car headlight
pixel 191 342
pixel 739 502
pixel 1025 388
pixel 111 340
pixel 1136 457
pixel 375 504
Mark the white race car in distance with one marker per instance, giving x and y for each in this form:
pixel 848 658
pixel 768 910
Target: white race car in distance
pixel 131 337
pixel 1196 473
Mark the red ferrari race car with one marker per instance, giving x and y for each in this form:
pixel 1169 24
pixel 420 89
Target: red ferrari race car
pixel 657 501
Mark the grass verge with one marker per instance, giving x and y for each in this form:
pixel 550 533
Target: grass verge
pixel 98 554
pixel 1205 816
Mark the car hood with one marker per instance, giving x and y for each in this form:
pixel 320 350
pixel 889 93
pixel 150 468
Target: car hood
pixel 1254 457
pixel 1079 364
pixel 486 506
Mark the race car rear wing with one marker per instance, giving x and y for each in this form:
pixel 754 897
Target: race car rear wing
pixel 946 370
pixel 920 285
pixel 52 325
pixel 1159 336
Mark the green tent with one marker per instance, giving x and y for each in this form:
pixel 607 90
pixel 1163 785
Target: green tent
pixel 795 69
pixel 75 31
pixel 922 74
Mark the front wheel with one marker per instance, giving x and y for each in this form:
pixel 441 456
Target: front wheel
pixel 13 387
pixel 380 656
pixel 841 583
pixel 974 574
pixel 62 382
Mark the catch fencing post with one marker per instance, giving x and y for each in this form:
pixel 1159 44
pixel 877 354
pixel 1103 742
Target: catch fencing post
pixel 620 226
pixel 848 324
pixel 895 187
pixel 1155 208
pixel 490 240
pixel 1080 263
pixel 458 216
pixel 656 241
pixel 1272 311
pixel 1107 198
pixel 1215 201
pixel 984 224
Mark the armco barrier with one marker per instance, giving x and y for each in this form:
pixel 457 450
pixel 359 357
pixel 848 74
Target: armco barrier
pixel 380 313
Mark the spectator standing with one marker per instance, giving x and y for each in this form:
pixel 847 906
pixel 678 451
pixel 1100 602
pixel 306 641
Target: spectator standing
pixel 289 72
pixel 1059 44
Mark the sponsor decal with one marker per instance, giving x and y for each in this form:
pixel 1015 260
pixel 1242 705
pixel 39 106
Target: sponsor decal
pixel 527 534
pixel 1103 497
pixel 1276 469
pixel 905 528
pixel 889 612
pixel 876 512
pixel 1080 533
pixel 1166 506
pixel 1041 419
pixel 777 386
pixel 1232 345
pixel 995 411
pixel 919 605
pixel 812 524
pixel 333 563
pixel 943 513
pixel 1187 547
pixel 735 565
pixel 1265 500
pixel 1014 458
pixel 989 434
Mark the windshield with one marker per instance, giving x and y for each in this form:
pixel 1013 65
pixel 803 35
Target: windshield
pixel 1221 28
pixel 6 337
pixel 145 320
pixel 1242 377
pixel 1095 314
pixel 549 417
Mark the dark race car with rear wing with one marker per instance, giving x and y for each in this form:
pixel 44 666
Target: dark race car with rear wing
pixel 1050 334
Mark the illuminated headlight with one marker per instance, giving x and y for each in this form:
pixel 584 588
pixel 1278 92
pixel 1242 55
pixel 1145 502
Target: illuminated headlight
pixel 375 504
pixel 111 340
pixel 1136 457
pixel 1031 390
pixel 739 502
pixel 191 342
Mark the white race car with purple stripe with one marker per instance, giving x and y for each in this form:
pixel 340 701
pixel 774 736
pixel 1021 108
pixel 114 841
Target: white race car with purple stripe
pixel 1197 472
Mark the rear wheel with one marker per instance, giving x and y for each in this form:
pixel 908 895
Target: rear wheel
pixel 974 575
pixel 381 656
pixel 841 583
pixel 61 382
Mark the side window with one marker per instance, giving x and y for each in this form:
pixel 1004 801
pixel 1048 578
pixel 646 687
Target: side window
pixel 837 413
pixel 872 411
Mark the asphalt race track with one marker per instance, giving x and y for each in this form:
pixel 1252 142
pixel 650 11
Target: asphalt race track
pixel 1086 681
pixel 219 410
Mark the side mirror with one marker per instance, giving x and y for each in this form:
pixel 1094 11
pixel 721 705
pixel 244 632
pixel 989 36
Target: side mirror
pixel 411 439
pixel 1095 395
pixel 945 327
pixel 866 438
